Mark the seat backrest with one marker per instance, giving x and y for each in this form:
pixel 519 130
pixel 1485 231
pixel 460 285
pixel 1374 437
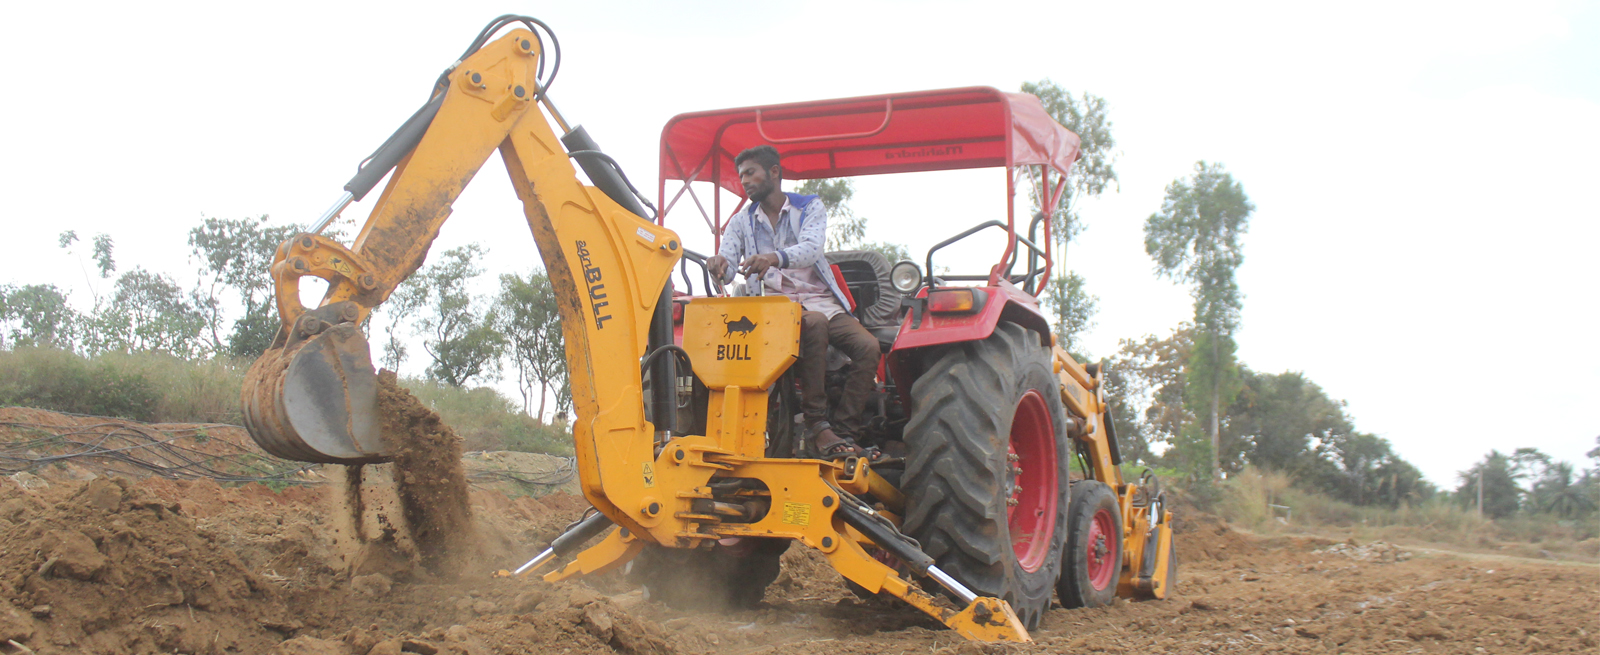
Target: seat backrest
pixel 839 278
pixel 866 279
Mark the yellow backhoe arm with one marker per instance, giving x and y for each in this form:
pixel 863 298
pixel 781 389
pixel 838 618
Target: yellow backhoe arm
pixel 606 265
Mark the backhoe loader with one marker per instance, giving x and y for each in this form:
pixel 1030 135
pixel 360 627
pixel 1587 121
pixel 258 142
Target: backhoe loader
pixel 684 433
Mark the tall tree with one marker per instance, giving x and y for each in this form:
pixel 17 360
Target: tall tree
pixel 459 328
pixel 1557 492
pixel 531 321
pixel 1501 494
pixel 399 310
pixel 1195 239
pixel 235 257
pixel 1095 171
pixel 1088 116
pixel 104 262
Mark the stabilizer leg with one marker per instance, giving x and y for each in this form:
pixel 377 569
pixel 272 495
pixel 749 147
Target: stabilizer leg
pixel 983 619
pixel 616 549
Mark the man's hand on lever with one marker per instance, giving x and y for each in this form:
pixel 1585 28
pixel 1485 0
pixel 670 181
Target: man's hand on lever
pixel 717 266
pixel 757 265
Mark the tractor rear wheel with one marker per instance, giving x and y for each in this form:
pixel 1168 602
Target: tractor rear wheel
pixel 986 471
pixel 1093 560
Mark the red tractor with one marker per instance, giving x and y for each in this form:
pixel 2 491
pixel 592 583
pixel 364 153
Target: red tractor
pixel 979 412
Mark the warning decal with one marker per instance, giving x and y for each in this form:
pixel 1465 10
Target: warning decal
pixel 797 513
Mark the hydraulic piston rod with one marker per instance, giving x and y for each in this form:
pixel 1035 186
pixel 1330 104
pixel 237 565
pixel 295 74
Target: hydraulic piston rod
pixel 569 541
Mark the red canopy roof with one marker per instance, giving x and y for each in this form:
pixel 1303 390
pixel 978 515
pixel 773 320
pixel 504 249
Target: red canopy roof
pixel 949 129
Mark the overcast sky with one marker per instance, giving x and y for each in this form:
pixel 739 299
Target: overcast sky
pixel 1424 174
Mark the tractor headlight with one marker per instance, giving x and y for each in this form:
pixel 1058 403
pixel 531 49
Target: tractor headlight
pixel 905 276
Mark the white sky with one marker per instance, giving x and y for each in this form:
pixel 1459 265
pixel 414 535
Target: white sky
pixel 1424 173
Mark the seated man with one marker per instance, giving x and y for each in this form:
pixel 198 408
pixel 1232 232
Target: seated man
pixel 779 238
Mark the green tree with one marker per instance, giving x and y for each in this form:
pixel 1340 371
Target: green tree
pixel 1276 419
pixel 1144 387
pixel 531 322
pixel 1095 171
pixel 399 310
pixel 458 327
pixel 104 262
pixel 1589 482
pixel 846 230
pixel 1366 471
pixel 1073 309
pixel 1195 239
pixel 1501 494
pixel 36 315
pixel 235 259
pixel 147 312
pixel 1558 492
pixel 1529 464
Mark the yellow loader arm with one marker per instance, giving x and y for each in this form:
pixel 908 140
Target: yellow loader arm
pixel 312 396
pixel 1149 562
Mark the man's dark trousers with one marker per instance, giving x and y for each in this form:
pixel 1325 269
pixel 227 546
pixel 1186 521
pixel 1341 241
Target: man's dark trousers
pixel 847 334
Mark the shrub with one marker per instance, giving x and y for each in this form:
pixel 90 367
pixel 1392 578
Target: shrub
pixel 59 380
pixel 160 388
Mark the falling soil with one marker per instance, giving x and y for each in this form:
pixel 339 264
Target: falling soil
pixel 118 565
pixel 429 478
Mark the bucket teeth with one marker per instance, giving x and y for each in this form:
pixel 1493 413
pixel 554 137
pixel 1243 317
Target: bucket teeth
pixel 316 400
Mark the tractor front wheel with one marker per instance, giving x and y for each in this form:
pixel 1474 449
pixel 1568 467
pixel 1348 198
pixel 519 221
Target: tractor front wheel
pixel 1093 559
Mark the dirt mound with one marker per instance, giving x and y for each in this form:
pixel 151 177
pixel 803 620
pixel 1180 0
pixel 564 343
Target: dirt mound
pixel 113 569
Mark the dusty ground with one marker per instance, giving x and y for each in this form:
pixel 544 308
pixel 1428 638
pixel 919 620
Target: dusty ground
pixel 117 565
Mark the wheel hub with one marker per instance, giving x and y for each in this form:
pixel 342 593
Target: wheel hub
pixel 1101 565
pixel 1031 484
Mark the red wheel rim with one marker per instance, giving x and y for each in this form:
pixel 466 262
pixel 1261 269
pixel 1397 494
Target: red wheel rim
pixel 1031 504
pixel 1100 549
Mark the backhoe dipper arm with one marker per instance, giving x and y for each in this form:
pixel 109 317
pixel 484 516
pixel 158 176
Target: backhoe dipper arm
pixel 607 266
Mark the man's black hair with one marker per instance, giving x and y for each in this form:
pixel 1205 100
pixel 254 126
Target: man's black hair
pixel 766 156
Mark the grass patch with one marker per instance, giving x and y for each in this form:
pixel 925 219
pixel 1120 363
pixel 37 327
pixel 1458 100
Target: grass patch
pixel 487 420
pixel 1244 500
pixel 159 388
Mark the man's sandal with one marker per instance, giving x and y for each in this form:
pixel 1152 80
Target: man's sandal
pixel 847 448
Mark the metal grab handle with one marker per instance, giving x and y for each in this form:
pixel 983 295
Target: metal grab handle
pixel 888 111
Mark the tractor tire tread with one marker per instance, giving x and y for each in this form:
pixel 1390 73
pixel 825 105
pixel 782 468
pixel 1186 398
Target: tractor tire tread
pixel 953 474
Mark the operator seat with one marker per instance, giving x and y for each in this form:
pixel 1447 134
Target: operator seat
pixel 866 276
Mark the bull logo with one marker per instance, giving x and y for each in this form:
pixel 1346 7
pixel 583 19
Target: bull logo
pixel 743 326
